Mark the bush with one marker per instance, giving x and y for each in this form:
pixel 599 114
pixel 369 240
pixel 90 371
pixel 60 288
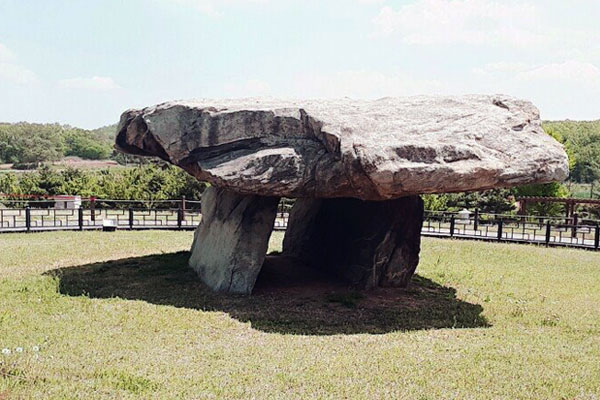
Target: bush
pixel 80 144
pixel 149 182
pixel 33 144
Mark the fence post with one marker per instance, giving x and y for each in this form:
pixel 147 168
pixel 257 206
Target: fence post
pixel 597 238
pixel 131 218
pixel 182 208
pixel 452 225
pixel 476 220
pixel 548 229
pixel 80 217
pixel 93 208
pixel 179 217
pixel 574 228
pixel 500 223
pixel 28 218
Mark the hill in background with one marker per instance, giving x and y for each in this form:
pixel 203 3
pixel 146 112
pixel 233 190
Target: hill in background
pixel 582 141
pixel 27 145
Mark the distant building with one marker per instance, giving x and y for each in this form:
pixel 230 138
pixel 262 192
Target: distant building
pixel 64 201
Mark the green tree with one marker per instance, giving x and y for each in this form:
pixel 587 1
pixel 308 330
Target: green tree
pixel 27 145
pixel 150 182
pixel 554 189
pixel 82 144
pixel 582 142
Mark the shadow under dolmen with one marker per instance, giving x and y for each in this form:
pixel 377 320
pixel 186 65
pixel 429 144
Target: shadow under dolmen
pixel 288 298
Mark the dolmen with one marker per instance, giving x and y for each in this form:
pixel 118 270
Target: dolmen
pixel 355 167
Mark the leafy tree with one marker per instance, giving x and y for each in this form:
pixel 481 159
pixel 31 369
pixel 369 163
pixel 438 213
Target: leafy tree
pixel 148 182
pixel 30 143
pixel 587 164
pixel 554 189
pixel 582 142
pixel 27 144
pixel 81 144
pixel 496 201
pixel 435 202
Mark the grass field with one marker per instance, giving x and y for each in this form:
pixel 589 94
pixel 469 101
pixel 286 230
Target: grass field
pixel 92 315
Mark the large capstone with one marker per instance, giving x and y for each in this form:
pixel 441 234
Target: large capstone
pixel 371 150
pixel 357 167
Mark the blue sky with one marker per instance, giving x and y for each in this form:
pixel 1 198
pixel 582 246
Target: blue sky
pixel 84 62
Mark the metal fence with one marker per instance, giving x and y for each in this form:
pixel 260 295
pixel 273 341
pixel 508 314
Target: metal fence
pixel 46 219
pixel 550 231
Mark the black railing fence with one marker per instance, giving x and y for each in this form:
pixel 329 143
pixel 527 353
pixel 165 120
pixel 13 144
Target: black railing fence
pixel 550 231
pixel 94 203
pixel 40 219
pixel 131 215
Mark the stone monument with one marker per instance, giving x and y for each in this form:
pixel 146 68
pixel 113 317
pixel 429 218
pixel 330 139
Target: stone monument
pixel 356 168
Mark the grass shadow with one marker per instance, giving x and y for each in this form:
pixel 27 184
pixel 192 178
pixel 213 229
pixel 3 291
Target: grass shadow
pixel 288 298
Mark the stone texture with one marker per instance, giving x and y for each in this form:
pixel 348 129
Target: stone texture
pixel 365 243
pixel 371 150
pixel 231 242
pixel 356 167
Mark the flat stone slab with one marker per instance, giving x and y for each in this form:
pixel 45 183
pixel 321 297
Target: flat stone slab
pixel 371 150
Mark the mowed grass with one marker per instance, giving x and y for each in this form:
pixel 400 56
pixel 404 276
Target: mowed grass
pixel 119 315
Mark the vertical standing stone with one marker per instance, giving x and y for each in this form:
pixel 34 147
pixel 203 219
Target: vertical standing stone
pixel 231 242
pixel 366 243
pixel 300 232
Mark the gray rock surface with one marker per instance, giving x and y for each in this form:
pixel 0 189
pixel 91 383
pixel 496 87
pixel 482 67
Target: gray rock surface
pixel 231 242
pixel 364 243
pixel 356 167
pixel 371 150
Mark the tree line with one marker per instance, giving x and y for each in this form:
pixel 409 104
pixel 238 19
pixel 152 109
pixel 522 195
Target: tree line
pixel 582 142
pixel 29 145
pixel 504 201
pixel 150 182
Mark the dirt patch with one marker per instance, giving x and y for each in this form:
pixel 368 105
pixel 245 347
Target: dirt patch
pixel 77 162
pixel 287 277
pixel 72 162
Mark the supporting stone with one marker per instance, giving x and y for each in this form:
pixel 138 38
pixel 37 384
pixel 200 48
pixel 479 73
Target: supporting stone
pixel 231 242
pixel 366 243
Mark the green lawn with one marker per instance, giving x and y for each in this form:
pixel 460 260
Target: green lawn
pixel 118 315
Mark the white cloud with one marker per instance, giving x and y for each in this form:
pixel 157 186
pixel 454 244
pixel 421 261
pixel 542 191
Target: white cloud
pixel 363 84
pixel 6 55
pixel 347 83
pixel 11 71
pixel 501 68
pixel 566 89
pixel 204 6
pixel 571 71
pixel 15 73
pixel 250 88
pixel 473 22
pixel 212 8
pixel 100 83
pixel 371 1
